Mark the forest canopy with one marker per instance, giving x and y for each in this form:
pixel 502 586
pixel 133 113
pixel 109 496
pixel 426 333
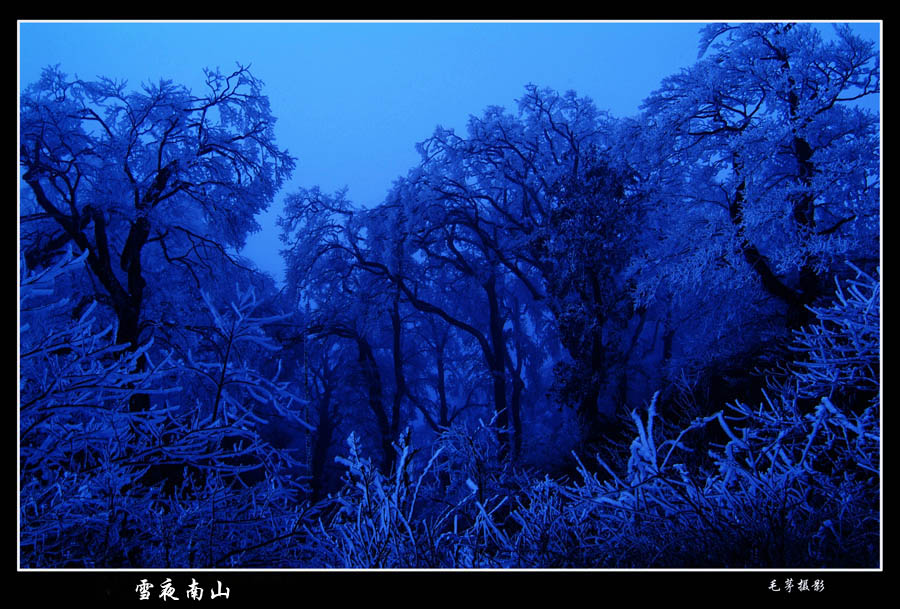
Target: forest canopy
pixel 563 339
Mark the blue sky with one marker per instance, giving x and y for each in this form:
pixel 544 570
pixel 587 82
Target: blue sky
pixel 352 99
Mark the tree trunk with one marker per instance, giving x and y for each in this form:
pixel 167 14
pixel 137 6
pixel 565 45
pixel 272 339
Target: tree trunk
pixel 324 432
pixel 370 372
pixel 399 378
pixel 498 366
pixel 796 301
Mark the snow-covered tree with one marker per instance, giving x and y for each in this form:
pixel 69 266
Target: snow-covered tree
pixel 145 181
pixel 765 169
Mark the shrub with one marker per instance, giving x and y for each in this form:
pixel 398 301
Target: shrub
pixel 97 480
pixel 787 489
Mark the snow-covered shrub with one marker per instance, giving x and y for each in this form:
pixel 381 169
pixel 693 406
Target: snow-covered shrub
pixel 104 485
pixel 479 488
pixel 76 457
pixel 444 512
pixel 548 532
pixel 788 488
pixel 373 521
pixel 827 455
pixel 471 453
pixel 839 355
